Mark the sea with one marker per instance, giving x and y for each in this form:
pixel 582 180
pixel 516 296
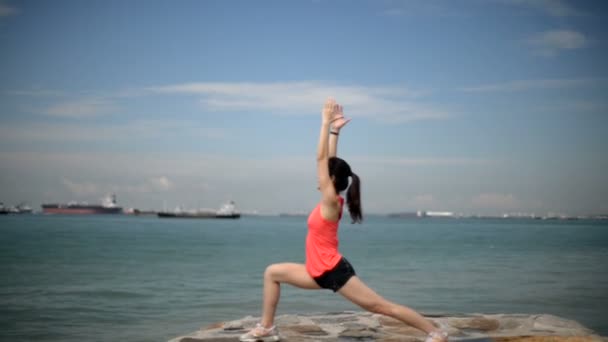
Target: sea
pixel 130 278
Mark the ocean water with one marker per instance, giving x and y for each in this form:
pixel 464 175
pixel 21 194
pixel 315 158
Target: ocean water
pixel 121 278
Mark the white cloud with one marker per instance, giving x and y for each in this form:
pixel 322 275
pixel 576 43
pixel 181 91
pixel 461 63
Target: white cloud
pixel 82 188
pixel 556 8
pixel 106 132
pixel 524 85
pixel 6 10
pixel 387 104
pixel 37 93
pixel 95 189
pixel 399 161
pixel 423 8
pixel 549 43
pixel 83 108
pixel 162 183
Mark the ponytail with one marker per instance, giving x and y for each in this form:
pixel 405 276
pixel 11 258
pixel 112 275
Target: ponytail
pixel 353 199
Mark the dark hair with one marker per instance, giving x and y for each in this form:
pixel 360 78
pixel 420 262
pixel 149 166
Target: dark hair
pixel 340 170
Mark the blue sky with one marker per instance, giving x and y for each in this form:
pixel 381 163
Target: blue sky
pixel 473 106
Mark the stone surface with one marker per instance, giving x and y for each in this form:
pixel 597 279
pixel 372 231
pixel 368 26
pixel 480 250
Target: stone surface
pixel 396 327
pixel 475 323
pixel 232 326
pixel 548 339
pixel 217 325
pixel 307 330
pixel 359 331
pixel 363 326
pixel 212 339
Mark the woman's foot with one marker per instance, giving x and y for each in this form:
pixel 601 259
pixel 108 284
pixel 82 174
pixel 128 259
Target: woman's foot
pixel 260 333
pixel 437 336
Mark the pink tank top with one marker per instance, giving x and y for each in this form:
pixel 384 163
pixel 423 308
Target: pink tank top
pixel 322 242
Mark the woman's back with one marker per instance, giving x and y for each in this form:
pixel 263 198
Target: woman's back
pixel 322 242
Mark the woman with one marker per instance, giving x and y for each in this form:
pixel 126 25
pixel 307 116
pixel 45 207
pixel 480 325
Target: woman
pixel 325 267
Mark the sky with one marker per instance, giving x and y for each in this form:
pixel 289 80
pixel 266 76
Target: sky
pixel 472 106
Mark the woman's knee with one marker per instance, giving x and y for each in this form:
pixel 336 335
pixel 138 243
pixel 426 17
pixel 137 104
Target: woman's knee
pixel 272 271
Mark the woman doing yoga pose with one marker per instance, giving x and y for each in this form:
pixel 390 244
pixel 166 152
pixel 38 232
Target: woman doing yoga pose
pixel 325 267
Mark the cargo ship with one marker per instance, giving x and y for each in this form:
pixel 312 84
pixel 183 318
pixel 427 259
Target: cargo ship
pixel 227 211
pixel 108 206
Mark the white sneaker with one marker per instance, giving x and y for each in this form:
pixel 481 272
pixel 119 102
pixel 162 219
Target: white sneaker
pixel 437 336
pixel 259 333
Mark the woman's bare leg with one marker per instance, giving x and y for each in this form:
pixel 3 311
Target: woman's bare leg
pixel 357 292
pixel 290 273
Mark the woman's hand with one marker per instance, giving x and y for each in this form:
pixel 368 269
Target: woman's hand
pixel 338 120
pixel 329 110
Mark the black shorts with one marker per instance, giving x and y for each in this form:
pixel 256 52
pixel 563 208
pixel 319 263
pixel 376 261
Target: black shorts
pixel 335 278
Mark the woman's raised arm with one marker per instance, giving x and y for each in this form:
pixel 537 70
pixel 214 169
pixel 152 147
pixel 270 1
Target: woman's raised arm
pixel 328 191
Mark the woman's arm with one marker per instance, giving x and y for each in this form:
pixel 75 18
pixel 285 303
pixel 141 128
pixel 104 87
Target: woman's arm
pixel 329 198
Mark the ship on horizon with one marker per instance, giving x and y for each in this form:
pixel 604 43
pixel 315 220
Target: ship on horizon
pixel 227 211
pixel 108 206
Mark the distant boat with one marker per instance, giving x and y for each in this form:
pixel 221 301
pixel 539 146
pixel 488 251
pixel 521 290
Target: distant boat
pixel 227 211
pixel 139 212
pixel 108 206
pixel 21 208
pixel 410 214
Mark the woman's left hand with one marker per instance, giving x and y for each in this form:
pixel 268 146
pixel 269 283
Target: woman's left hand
pixel 338 121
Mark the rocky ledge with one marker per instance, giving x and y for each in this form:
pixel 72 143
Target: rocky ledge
pixel 362 326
